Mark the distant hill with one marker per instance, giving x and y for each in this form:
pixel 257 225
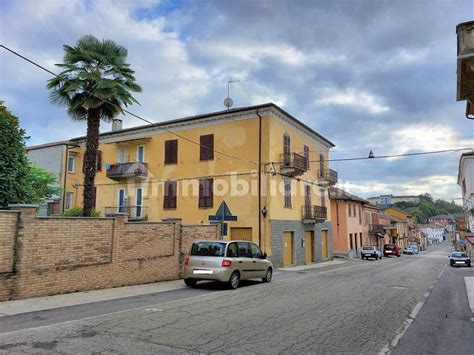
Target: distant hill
pixel 427 208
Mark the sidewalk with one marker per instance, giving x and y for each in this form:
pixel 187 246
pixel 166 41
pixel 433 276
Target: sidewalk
pixel 313 266
pixel 8 308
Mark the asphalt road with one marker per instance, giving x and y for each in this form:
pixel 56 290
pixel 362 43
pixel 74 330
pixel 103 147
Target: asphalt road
pixel 359 307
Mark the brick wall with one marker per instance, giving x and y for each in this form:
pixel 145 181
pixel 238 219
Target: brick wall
pixel 59 255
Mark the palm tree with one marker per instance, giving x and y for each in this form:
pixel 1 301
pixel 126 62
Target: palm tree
pixel 95 85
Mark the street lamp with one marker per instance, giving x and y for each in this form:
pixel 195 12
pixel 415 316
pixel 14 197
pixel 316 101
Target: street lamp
pixel 465 66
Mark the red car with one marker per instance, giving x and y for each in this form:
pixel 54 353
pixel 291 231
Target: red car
pixel 391 249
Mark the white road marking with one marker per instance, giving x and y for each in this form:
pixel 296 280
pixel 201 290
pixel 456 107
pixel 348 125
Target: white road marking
pixel 392 344
pixel 469 281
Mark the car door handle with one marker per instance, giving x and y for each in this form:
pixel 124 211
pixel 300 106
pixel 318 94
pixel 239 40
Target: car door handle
pixel 240 262
pixel 254 261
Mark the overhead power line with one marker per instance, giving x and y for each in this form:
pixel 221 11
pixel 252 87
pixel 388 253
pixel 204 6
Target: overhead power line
pixel 127 111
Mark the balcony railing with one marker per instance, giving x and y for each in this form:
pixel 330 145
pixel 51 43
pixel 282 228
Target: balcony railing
pixel 313 214
pixel 327 176
pixel 293 164
pixel 376 229
pixel 127 170
pixel 134 213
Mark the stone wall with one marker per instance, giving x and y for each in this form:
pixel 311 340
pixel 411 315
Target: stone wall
pixel 57 255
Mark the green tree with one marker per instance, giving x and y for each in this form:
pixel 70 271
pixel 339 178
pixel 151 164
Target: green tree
pixel 14 166
pixel 95 85
pixel 40 185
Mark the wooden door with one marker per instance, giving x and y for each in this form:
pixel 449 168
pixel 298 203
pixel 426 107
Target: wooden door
pixel 288 248
pixel 309 242
pixel 241 234
pixel 324 242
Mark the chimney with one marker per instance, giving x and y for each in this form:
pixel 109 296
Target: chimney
pixel 116 125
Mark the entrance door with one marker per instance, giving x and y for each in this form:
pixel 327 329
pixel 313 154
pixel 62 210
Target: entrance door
pixel 324 242
pixel 241 233
pixel 309 242
pixel 288 248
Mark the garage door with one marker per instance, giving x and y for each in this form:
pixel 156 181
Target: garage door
pixel 288 248
pixel 241 234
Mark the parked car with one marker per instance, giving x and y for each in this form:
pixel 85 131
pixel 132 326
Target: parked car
pixel 370 252
pixel 458 258
pixel 409 251
pixel 414 247
pixel 391 249
pixel 226 261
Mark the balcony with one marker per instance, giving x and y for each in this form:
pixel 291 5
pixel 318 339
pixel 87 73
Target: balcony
pixel 327 177
pixel 121 171
pixel 134 213
pixel 313 214
pixel 376 229
pixel 293 164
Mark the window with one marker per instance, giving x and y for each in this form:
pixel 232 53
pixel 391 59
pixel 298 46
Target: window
pixel 169 201
pixel 121 200
pixel 321 165
pixel 68 201
pixel 349 208
pixel 306 155
pixel 139 202
pixel 354 210
pixel 232 250
pixel 286 148
pixel 206 193
pixel 351 242
pixel 71 164
pixel 255 251
pixel 323 198
pixel 244 250
pixel 141 153
pixel 122 155
pixel 287 192
pixel 208 249
pixel 206 151
pixel 360 214
pixel 171 151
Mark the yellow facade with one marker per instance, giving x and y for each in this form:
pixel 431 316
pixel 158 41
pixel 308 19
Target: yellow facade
pixel 236 133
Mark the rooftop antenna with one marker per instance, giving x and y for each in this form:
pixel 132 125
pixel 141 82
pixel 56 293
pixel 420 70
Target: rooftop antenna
pixel 228 102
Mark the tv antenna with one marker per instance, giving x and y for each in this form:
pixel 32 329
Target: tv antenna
pixel 228 102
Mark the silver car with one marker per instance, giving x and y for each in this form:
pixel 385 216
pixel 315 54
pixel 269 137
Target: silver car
pixel 226 261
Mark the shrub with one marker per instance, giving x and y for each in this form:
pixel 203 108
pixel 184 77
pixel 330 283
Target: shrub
pixel 77 212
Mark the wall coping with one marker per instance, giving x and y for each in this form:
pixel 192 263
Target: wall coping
pixel 9 211
pixel 199 225
pixel 150 222
pixel 22 205
pixel 75 218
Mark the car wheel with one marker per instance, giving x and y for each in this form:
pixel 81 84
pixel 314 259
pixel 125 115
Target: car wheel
pixel 268 276
pixel 234 280
pixel 398 255
pixel 469 265
pixel 190 282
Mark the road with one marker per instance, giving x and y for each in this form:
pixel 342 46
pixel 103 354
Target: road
pixel 358 307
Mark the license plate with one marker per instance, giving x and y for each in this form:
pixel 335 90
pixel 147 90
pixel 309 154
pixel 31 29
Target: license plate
pixel 202 272
pixel 460 262
pixel 388 252
pixel 367 254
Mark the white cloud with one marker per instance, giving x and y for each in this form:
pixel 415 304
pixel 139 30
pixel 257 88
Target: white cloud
pixel 353 97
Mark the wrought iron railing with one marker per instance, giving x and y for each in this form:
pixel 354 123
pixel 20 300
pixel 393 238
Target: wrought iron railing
pixel 294 160
pixel 376 228
pixel 126 170
pixel 314 213
pixel 328 175
pixel 134 213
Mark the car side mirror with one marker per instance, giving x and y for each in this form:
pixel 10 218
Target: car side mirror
pixel 264 255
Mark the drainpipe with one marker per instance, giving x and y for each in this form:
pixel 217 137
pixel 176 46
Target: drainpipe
pixel 65 177
pixel 259 179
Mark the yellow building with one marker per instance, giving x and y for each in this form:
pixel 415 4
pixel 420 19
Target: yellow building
pixel 406 231
pixel 258 170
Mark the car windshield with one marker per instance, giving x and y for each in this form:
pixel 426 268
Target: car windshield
pixel 389 247
pixel 367 248
pixel 459 255
pixel 208 249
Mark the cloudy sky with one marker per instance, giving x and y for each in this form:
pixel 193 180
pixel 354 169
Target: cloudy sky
pixel 377 75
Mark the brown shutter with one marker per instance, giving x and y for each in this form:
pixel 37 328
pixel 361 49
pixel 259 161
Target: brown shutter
pixel 169 201
pixel 207 147
pixel 171 151
pixel 210 192
pixel 306 155
pixel 206 193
